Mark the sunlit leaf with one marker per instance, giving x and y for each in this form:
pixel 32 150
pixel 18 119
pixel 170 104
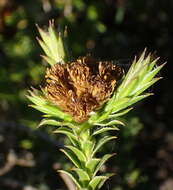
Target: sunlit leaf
pixel 101 142
pixel 73 177
pixel 104 129
pixel 72 157
pixel 101 162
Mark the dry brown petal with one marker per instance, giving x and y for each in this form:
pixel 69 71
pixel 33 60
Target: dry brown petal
pixel 82 86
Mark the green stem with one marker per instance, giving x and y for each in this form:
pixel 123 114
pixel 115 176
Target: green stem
pixel 86 146
pixel 82 153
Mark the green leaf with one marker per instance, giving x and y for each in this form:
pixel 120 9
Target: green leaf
pixel 145 69
pixel 115 115
pixel 130 71
pixel 49 60
pixel 99 116
pixel 83 127
pixel 56 123
pixel 83 176
pixel 104 129
pixel 126 91
pixel 138 98
pixel 88 147
pixel 131 101
pixel 96 181
pixel 50 122
pixel 79 154
pixel 137 77
pixel 43 106
pixel 101 142
pixel 72 157
pixel 145 86
pixel 44 35
pixel 148 68
pixel 44 47
pixel 103 116
pixel 150 75
pixel 153 63
pixel 73 177
pixel 110 123
pixel 92 164
pixel 69 133
pixel 101 162
pixel 53 111
pixel 103 181
pixel 54 45
pixel 116 105
pixel 46 107
pixel 36 99
pixel 46 40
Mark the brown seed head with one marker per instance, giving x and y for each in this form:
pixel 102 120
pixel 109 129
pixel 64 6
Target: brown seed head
pixel 82 86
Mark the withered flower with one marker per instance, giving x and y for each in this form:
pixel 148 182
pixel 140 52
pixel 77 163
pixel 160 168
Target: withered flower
pixel 82 86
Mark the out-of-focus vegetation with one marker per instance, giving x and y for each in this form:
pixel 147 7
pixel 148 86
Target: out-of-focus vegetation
pixel 108 29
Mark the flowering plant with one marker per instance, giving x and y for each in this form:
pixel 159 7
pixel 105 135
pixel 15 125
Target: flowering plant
pixel 84 93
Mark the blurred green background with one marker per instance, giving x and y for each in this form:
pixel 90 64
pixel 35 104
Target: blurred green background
pixel 110 30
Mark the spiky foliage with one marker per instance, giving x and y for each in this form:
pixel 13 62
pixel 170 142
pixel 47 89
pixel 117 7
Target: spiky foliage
pixel 71 77
pixel 54 45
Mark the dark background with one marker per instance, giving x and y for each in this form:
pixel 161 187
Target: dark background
pixel 108 29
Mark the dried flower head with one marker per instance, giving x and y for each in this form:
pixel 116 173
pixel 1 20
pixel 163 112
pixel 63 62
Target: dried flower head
pixel 82 86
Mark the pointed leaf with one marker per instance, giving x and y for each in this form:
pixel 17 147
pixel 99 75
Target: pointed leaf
pixel 144 87
pixel 145 67
pixel 79 154
pixel 138 98
pixel 114 115
pixel 104 129
pixel 102 142
pixel 56 123
pixel 83 176
pixel 36 99
pixel 88 147
pixel 94 183
pixel 103 116
pixel 73 139
pixel 92 164
pixel 44 35
pixel 126 91
pixel 46 107
pixel 44 47
pixel 73 177
pixel 104 180
pixel 153 63
pixel 56 44
pixel 116 104
pixel 69 133
pixel 49 60
pixel 72 157
pixel 53 111
pixel 50 122
pixel 150 75
pixel 102 161
pixel 130 102
pixel 109 123
pixel 53 44
pixel 94 117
